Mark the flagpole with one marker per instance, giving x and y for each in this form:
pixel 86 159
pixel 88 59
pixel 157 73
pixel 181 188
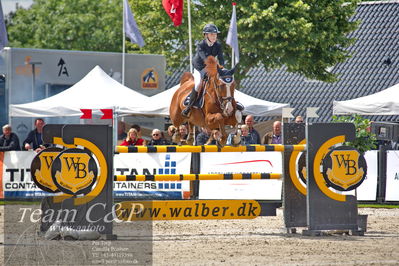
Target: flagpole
pixel 123 43
pixel 189 35
pixel 232 57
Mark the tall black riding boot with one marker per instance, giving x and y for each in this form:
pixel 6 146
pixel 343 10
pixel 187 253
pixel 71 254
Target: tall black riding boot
pixel 193 97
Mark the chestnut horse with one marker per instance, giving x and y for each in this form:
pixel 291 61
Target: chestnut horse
pixel 219 107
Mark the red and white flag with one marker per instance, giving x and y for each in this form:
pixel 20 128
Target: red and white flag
pixel 174 8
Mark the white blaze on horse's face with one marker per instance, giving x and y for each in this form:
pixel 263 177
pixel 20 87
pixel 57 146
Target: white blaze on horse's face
pixel 226 77
pixel 228 110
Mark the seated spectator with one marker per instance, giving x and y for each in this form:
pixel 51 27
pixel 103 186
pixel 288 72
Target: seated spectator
pixel 157 138
pixel 121 130
pixel 34 140
pixel 249 121
pixel 138 128
pixel 171 131
pixel 203 136
pixel 246 138
pixel 132 139
pixel 234 138
pixel 242 137
pixel 273 137
pixel 182 137
pixel 298 119
pixel 214 138
pixel 9 141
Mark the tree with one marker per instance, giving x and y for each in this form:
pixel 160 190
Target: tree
pixel 365 140
pixel 305 36
pixel 69 25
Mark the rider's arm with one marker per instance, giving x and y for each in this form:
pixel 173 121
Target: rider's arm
pixel 201 51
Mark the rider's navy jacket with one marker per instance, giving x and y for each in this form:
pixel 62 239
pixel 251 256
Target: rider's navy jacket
pixel 203 51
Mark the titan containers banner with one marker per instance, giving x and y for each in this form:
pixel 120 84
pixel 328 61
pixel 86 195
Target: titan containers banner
pixel 16 182
pixel 151 164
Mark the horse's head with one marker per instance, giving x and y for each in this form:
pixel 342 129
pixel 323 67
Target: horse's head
pixel 226 86
pixel 223 82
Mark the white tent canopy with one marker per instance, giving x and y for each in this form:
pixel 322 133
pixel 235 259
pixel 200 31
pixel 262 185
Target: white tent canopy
pixel 95 91
pixel 385 102
pixel 159 104
pixel 98 91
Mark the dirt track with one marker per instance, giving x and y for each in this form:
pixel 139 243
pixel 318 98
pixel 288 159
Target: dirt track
pixel 261 241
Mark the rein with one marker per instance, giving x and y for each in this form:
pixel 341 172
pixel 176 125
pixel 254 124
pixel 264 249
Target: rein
pixel 220 99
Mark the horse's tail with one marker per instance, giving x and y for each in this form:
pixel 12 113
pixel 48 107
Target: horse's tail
pixel 186 77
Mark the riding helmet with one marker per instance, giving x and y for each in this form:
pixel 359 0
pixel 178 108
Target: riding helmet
pixel 210 28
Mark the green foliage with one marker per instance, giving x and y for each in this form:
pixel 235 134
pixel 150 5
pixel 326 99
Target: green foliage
pixel 305 36
pixel 365 140
pixel 68 24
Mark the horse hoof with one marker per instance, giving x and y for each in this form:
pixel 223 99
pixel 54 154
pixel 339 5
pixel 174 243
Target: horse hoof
pixel 220 145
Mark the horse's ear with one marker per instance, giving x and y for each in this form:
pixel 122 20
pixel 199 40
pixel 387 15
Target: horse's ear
pixel 220 71
pixel 231 71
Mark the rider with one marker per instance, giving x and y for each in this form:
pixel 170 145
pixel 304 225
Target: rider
pixel 208 46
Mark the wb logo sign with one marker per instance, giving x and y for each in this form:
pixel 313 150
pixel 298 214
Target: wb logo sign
pixel 74 171
pixel 41 169
pixel 344 168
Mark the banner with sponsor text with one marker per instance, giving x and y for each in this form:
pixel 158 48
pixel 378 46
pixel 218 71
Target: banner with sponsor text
pixel 16 181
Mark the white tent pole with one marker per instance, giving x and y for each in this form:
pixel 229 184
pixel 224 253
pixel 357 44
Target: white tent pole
pixel 189 35
pixel 114 126
pixel 123 44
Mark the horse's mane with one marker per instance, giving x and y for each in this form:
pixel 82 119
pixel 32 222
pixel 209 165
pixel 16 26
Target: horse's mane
pixel 211 66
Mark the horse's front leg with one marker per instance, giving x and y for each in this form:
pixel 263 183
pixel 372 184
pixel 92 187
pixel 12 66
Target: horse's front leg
pixel 190 138
pixel 223 139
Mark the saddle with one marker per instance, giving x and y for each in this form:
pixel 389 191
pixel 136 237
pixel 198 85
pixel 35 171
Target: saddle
pixel 199 102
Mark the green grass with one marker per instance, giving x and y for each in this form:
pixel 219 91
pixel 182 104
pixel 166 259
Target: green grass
pixel 385 206
pixel 16 202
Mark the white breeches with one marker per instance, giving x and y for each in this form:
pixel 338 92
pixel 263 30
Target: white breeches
pixel 197 79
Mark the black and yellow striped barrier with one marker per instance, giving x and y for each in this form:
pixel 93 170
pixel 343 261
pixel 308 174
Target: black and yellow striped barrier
pixel 207 148
pixel 197 177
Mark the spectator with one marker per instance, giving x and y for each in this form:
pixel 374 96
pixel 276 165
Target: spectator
pixel 9 141
pixel 182 137
pixel 203 136
pixel 234 138
pixel 241 137
pixel 138 128
pixel 249 121
pixel 121 130
pixel 157 138
pixel 273 137
pixel 214 138
pixel 299 119
pixel 246 138
pixel 34 140
pixel 132 139
pixel 171 131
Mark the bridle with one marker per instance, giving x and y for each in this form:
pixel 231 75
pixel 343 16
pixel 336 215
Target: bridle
pixel 223 101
